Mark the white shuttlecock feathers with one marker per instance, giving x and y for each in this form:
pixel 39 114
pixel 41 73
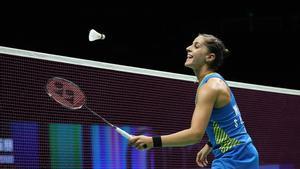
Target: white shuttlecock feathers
pixel 94 35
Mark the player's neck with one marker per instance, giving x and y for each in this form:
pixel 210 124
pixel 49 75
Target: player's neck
pixel 202 73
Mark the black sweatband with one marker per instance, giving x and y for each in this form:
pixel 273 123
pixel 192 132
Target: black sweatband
pixel 157 141
pixel 209 144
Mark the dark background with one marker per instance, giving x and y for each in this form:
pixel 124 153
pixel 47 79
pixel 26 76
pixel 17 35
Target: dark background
pixel 263 39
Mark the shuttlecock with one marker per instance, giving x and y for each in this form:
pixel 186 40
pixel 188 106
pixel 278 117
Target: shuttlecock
pixel 94 35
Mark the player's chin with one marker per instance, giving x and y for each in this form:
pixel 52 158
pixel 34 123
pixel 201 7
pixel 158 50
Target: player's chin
pixel 188 64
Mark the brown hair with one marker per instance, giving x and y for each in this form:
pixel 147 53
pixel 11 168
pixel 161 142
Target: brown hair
pixel 216 46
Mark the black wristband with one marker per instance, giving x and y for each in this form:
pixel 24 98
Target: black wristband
pixel 209 144
pixel 157 141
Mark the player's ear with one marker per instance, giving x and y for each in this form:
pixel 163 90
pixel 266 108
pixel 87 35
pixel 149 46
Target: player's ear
pixel 210 57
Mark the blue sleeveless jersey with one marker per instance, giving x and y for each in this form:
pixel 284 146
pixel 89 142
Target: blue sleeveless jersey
pixel 226 129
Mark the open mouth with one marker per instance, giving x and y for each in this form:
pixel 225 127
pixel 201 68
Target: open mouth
pixel 189 56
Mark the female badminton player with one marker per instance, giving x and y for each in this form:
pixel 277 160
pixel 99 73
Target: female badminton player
pixel 216 113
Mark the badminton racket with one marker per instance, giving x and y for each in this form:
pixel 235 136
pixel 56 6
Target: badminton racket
pixel 70 96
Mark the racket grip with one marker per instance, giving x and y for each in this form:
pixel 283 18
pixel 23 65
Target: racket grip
pixel 123 133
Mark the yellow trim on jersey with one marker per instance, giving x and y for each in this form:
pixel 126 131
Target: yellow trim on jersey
pixel 223 139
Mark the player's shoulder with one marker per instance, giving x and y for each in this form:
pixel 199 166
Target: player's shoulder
pixel 215 84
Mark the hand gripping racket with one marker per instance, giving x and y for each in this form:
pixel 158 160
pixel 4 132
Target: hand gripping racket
pixel 69 95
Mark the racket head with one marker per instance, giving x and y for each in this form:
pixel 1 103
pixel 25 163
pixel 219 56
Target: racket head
pixel 65 92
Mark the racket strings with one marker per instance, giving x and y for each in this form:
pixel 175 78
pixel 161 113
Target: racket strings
pixel 66 93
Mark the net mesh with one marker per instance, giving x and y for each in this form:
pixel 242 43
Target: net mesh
pixel 36 132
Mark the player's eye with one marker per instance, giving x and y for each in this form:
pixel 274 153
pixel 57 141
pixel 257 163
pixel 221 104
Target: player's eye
pixel 197 45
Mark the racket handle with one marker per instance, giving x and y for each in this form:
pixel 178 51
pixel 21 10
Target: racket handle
pixel 123 133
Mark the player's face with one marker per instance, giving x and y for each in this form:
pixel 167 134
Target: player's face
pixel 196 53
